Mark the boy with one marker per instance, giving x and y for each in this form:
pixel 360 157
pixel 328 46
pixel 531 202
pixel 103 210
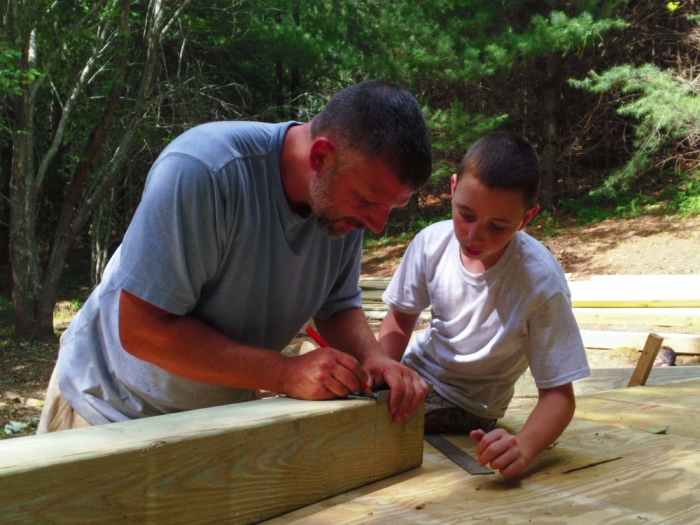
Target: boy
pixel 499 301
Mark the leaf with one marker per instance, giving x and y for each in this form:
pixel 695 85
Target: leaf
pixel 15 427
pixel 662 431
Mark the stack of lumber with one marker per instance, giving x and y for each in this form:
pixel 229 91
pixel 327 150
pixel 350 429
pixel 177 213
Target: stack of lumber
pixel 650 300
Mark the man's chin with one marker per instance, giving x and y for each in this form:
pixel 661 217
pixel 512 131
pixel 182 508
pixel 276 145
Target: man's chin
pixel 332 229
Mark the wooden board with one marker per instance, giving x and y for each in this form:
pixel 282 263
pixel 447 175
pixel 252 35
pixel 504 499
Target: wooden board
pixel 232 464
pixel 636 294
pixel 603 379
pixel 654 480
pixel 649 407
pixel 681 343
pixel 640 316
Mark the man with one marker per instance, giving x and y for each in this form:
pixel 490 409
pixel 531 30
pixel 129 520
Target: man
pixel 245 231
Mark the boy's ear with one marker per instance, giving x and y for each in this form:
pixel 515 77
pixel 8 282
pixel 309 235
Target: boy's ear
pixel 529 215
pixel 321 152
pixel 453 184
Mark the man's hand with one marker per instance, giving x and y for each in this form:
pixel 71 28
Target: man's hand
pixel 325 373
pixel 408 390
pixel 501 451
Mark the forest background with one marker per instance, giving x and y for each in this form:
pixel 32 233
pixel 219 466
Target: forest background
pixel 92 90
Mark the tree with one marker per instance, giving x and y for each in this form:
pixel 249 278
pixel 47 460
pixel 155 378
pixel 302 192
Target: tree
pixel 61 119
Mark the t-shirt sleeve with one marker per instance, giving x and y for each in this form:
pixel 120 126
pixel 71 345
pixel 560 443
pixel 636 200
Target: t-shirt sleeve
pixel 346 291
pixel 407 291
pixel 556 354
pixel 174 243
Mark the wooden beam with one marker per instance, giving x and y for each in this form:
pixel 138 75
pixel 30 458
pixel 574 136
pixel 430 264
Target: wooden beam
pixel 604 379
pixel 232 464
pixel 646 360
pixel 681 343
pixel 635 294
pixel 641 316
pixel 572 482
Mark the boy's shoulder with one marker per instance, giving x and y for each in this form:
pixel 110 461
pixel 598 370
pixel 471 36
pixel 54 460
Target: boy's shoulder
pixel 437 229
pixel 538 261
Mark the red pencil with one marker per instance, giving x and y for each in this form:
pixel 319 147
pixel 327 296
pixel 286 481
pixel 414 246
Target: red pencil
pixel 313 334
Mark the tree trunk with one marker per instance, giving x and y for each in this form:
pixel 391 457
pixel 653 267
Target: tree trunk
pixel 33 297
pixel 549 189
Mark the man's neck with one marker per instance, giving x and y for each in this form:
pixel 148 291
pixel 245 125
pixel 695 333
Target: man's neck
pixel 294 169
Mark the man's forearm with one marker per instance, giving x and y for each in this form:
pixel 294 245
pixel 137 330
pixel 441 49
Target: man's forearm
pixel 189 348
pixel 349 332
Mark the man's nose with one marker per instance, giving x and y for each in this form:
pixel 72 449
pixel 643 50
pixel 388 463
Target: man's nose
pixel 376 219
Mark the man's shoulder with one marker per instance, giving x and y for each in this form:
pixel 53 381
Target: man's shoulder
pixel 218 143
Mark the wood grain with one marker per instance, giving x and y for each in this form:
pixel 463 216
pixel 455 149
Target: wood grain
pixel 654 481
pixel 234 464
pixel 640 316
pixel 681 343
pixel 603 379
pixel 646 360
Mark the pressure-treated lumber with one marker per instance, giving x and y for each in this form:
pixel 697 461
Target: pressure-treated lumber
pixel 604 379
pixel 598 472
pixel 676 406
pixel 681 343
pixel 646 360
pixel 635 294
pixel 640 316
pixel 232 464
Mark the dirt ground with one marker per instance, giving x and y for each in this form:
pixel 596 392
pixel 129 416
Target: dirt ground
pixel 646 245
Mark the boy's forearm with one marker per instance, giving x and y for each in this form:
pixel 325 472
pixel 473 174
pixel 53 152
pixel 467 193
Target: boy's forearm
pixel 396 331
pixel 550 417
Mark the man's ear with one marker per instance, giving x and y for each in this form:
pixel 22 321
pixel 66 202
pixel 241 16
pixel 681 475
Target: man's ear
pixel 321 153
pixel 453 184
pixel 529 215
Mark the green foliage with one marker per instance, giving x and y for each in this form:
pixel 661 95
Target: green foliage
pixel 453 131
pixel 665 106
pixel 422 223
pixel 16 427
pixel 681 194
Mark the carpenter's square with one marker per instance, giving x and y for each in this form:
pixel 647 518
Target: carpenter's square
pixel 456 454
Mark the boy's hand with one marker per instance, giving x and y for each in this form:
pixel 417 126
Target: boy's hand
pixel 408 390
pixel 501 451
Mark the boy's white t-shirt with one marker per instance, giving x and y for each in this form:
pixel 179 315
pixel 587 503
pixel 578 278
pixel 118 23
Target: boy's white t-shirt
pixel 487 328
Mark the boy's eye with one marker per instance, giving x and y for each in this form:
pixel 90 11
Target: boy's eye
pixel 467 217
pixel 496 228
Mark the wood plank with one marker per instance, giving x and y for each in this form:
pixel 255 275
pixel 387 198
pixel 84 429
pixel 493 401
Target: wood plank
pixel 604 379
pixel 233 464
pixel 654 473
pixel 640 316
pixel 657 280
pixel 601 294
pixel 645 408
pixel 646 360
pixel 681 343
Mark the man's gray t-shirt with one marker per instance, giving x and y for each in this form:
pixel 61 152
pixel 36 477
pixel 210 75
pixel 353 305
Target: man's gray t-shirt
pixel 215 238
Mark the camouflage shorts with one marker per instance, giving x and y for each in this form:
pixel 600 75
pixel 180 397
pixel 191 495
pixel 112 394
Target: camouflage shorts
pixel 444 417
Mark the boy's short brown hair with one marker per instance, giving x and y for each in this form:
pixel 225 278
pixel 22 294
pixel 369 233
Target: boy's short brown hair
pixel 504 161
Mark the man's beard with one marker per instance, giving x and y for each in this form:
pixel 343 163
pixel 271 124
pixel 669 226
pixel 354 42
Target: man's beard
pixel 324 206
